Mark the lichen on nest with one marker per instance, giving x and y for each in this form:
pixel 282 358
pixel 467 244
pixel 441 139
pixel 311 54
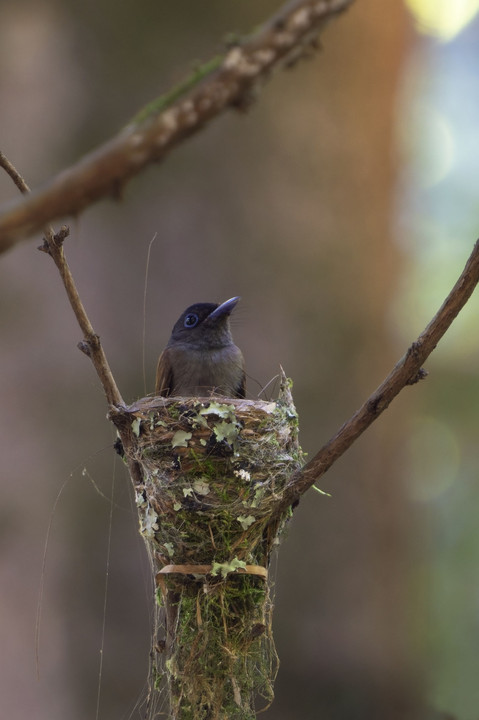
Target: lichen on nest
pixel 212 472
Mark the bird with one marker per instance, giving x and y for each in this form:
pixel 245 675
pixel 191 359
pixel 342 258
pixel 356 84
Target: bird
pixel 200 357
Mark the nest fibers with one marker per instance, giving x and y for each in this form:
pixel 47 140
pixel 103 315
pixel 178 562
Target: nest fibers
pixel 209 474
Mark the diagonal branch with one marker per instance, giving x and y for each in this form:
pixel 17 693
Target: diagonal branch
pixel 227 81
pixel 90 344
pixel 406 372
pixel 53 246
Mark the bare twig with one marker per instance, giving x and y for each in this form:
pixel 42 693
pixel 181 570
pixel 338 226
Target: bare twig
pixel 225 82
pixel 12 171
pixel 21 184
pixel 406 372
pixel 53 246
pixel 90 344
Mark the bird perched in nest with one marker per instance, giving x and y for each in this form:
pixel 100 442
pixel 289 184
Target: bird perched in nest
pixel 201 357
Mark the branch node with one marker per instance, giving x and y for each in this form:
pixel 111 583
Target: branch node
pixel 373 405
pixel 85 347
pixel 420 375
pixel 61 235
pixel 44 247
pixel 90 345
pixel 54 241
pixel 414 349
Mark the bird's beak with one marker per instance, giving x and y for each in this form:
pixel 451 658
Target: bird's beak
pixel 225 308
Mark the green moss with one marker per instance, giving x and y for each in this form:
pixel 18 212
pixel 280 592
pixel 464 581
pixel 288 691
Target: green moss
pixel 174 412
pixel 220 635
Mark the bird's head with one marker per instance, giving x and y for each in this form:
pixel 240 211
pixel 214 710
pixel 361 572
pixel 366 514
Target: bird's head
pixel 205 325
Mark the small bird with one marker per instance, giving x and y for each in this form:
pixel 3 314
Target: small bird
pixel 201 357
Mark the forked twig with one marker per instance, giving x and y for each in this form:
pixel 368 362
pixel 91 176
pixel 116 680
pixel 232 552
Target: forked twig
pixel 53 246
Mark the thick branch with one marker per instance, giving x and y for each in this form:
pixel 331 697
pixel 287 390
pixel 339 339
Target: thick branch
pixel 406 372
pixel 229 81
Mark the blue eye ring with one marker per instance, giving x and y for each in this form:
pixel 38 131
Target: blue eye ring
pixel 191 320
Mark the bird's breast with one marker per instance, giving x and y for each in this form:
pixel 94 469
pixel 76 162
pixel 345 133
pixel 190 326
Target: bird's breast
pixel 197 371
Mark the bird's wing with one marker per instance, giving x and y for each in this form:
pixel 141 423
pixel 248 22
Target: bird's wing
pixel 241 389
pixel 164 374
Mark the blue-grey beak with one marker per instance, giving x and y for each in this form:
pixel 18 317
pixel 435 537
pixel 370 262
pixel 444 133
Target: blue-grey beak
pixel 225 308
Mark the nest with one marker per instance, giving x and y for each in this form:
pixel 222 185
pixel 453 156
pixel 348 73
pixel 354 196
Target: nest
pixel 208 475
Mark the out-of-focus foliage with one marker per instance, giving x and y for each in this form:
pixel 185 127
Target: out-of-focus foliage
pixel 437 224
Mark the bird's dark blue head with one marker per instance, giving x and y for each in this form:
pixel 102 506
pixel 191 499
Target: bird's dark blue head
pixel 205 325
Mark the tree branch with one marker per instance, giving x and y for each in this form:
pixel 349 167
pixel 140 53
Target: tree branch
pixel 406 372
pixel 12 171
pixel 90 344
pixel 228 81
pixel 53 246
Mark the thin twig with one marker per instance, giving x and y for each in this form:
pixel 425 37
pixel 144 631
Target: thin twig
pixel 24 188
pixel 406 372
pixel 90 344
pixel 12 171
pixel 53 246
pixel 229 81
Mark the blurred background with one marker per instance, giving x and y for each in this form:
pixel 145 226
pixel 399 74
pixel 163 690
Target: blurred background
pixel 341 207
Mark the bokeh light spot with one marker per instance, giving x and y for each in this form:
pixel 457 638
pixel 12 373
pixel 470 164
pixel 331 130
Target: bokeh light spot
pixel 443 18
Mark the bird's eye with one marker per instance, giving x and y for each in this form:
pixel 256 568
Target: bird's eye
pixel 191 320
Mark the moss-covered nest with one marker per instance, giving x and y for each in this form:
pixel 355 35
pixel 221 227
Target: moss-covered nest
pixel 209 474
